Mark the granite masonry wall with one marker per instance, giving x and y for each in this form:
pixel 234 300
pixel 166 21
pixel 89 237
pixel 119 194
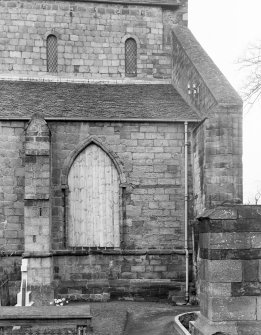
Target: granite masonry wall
pixel 230 271
pixel 91 37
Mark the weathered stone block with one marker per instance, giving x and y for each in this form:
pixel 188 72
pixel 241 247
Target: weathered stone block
pixel 235 240
pixel 256 240
pixel 246 289
pixel 159 268
pixel 224 271
pixel 232 309
pixel 138 268
pixel 249 328
pixel 250 270
pixel 215 289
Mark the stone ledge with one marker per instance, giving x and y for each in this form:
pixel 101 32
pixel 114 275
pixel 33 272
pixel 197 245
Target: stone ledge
pixel 10 253
pixel 69 252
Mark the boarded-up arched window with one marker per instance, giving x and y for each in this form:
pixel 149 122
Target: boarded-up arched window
pixel 131 57
pixel 93 200
pixel 52 53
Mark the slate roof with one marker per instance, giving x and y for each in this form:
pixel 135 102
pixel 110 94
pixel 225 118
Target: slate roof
pixel 21 99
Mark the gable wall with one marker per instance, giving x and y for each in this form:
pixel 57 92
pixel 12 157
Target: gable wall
pixel 90 38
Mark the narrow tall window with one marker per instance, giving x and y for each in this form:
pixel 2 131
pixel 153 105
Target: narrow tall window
pixel 131 57
pixel 93 200
pixel 52 56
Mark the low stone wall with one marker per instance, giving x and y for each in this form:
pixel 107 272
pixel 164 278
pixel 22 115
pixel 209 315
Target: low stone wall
pixel 230 271
pixel 104 275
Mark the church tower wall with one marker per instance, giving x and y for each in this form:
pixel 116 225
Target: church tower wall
pixel 87 37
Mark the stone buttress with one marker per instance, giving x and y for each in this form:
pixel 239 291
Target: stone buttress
pixel 37 222
pixel 230 271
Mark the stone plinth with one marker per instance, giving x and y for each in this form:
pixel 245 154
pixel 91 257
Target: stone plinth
pixel 230 271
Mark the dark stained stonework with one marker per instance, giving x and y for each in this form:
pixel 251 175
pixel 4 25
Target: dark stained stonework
pixel 252 288
pixel 225 226
pixel 246 254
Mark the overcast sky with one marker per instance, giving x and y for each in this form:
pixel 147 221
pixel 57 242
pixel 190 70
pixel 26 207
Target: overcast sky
pixel 225 28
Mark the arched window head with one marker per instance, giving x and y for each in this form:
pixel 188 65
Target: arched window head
pixel 52 53
pixel 94 217
pixel 131 57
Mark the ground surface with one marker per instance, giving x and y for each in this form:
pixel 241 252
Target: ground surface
pixel 134 318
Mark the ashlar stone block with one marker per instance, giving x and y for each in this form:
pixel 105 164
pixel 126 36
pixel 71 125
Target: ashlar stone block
pixel 232 309
pixel 224 271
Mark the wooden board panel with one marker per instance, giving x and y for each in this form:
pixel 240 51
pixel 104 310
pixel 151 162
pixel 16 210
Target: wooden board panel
pixel 93 200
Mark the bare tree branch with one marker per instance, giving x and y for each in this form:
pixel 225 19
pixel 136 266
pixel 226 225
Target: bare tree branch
pixel 257 197
pixel 251 63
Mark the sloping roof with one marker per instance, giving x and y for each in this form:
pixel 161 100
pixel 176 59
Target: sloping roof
pixel 219 86
pixel 21 99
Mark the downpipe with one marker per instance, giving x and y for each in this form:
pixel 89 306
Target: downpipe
pixel 186 213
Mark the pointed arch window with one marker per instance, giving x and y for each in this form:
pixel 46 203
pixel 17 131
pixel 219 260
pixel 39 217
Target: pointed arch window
pixel 131 57
pixel 52 53
pixel 93 197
